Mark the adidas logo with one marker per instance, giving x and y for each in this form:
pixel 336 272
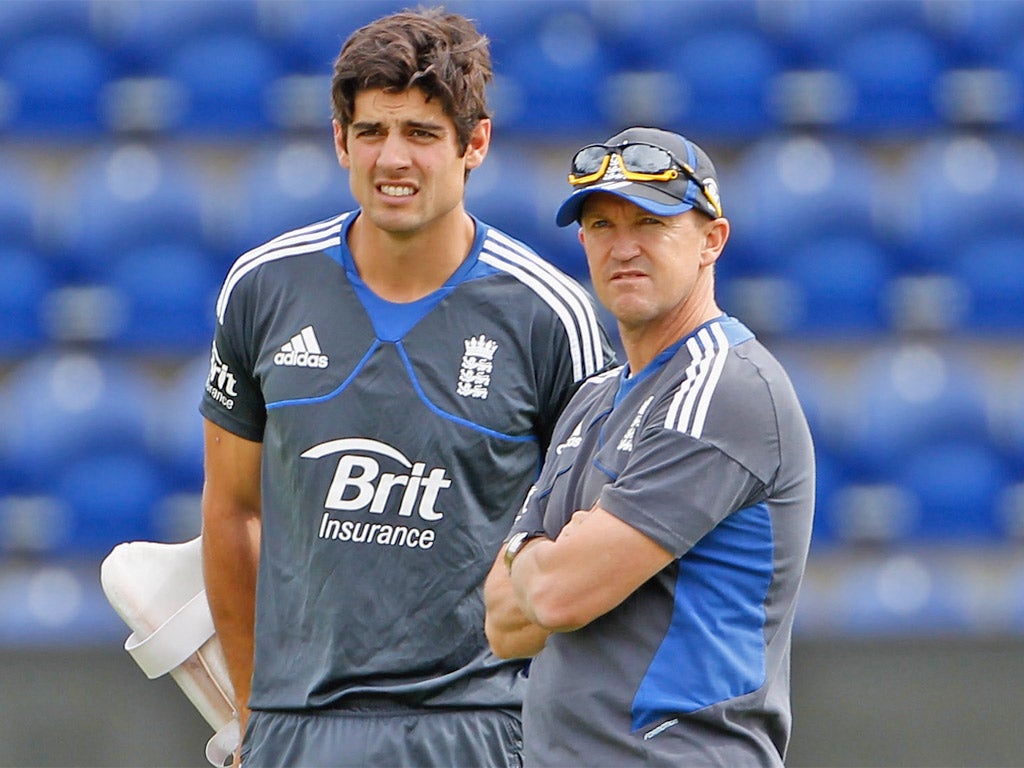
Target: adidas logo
pixel 614 171
pixel 303 351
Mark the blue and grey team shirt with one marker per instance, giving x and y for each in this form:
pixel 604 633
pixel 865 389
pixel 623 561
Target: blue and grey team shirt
pixel 398 442
pixel 707 452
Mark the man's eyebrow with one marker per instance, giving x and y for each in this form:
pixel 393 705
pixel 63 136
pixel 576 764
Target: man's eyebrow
pixel 424 125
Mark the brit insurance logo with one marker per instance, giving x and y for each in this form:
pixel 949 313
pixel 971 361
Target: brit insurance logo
pixel 302 351
pixel 364 482
pixel 220 383
pixel 477 366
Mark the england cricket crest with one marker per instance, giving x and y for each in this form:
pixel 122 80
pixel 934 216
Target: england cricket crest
pixel 477 364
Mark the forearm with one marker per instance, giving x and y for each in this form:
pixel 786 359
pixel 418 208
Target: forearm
pixel 230 560
pixel 596 562
pixel 509 632
pixel 231 510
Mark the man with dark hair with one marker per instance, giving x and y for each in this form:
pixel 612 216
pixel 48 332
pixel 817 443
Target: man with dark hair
pixel 382 387
pixel 654 569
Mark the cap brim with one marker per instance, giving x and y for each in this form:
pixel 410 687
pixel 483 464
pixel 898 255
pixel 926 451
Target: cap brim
pixel 645 196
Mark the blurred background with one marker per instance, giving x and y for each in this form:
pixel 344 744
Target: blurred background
pixel 871 160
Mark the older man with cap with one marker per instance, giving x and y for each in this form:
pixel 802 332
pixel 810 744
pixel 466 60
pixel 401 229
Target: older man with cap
pixel 653 571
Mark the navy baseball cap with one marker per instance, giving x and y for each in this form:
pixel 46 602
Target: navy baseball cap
pixel 629 165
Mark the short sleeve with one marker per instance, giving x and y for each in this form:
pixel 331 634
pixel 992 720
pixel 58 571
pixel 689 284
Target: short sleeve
pixel 676 488
pixel 232 398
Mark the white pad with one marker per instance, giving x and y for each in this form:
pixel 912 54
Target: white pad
pixel 158 590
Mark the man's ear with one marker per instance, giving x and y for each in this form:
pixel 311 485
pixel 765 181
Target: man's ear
pixel 479 143
pixel 715 238
pixel 340 145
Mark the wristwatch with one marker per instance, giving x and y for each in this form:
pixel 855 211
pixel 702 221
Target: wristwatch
pixel 516 543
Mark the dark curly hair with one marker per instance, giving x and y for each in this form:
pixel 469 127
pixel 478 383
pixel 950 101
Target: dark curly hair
pixel 440 53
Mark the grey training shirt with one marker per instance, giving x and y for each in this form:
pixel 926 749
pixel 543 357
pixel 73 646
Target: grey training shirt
pixel 398 440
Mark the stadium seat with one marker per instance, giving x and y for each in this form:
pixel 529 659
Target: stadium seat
pixel 112 496
pixel 878 515
pixel 521 199
pixel 58 407
pixel 553 84
pixel 958 189
pixel 1009 421
pixel 313 32
pixel 167 293
pixel 282 186
pixel 788 191
pixel 129 196
pixel 24 18
pixel 25 283
pixel 958 486
pixel 902 399
pixel 723 80
pixel 1013 64
pixel 143 35
pixel 991 269
pixel 830 478
pixel 19 203
pixel 841 284
pixel 818 30
pixel 225 79
pixel 55 81
pixel 56 604
pixel 893 73
pixel 984 33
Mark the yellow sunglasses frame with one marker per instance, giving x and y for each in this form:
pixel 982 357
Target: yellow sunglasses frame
pixel 629 175
pixel 667 175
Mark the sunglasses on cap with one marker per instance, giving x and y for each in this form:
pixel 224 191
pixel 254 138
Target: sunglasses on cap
pixel 637 162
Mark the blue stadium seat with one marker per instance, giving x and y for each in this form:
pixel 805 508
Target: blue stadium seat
pixel 786 192
pixel 724 79
pixel 841 284
pixel 634 28
pixel 958 189
pixel 521 199
pixel 25 283
pixel 129 196
pixel 167 293
pixel 19 203
pixel 553 84
pixel 225 78
pixel 55 81
pixel 112 496
pixel 56 604
pixel 283 186
pixel 1013 63
pixel 902 399
pixel 984 32
pixel 819 29
pixel 1010 421
pixel 142 36
pixel 830 478
pixel 314 31
pixel 992 271
pixel 23 18
pixel 958 486
pixel 59 407
pixel 894 73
